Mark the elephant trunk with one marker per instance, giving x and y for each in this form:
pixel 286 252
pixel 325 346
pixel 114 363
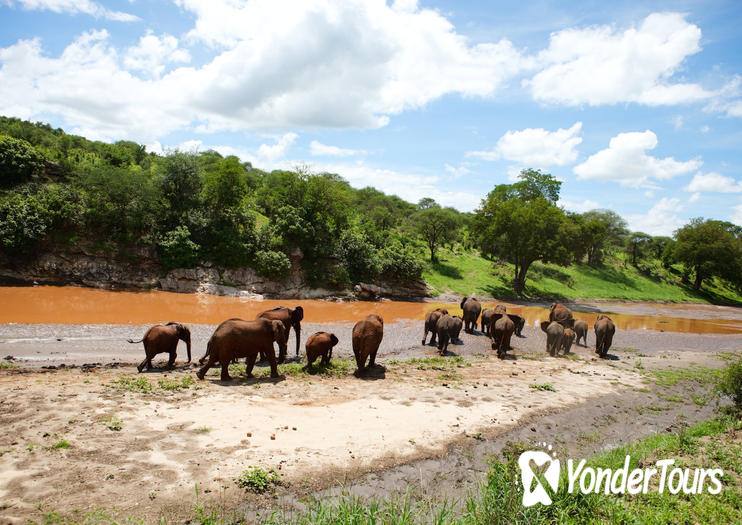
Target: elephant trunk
pixel 297 331
pixel 188 348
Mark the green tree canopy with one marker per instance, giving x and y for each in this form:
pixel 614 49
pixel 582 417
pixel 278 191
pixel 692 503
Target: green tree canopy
pixel 521 223
pixel 710 248
pixel 19 161
pixel 435 225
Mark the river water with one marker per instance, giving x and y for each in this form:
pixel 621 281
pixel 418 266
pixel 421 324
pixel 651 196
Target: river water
pixel 74 305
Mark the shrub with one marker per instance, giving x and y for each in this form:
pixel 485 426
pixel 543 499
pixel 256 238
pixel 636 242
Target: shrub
pixel 358 256
pixel 399 262
pixel 730 384
pixel 273 265
pixel 258 480
pixel 23 222
pixel 19 161
pixel 177 250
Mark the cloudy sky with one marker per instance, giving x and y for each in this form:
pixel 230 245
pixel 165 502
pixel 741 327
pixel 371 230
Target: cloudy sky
pixel 636 106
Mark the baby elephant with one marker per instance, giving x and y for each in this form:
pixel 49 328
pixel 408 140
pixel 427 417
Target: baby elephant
pixel 449 328
pixel 320 344
pixel 581 331
pixel 163 338
pixel 554 336
pixel 367 336
pixel 567 340
pixel 431 323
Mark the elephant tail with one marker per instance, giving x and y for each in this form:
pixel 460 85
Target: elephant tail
pixel 208 351
pixel 132 341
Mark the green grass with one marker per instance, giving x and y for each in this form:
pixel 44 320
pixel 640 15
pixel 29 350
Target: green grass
pixel 139 384
pixel 672 376
pixel 257 480
pixel 112 423
pixel 337 368
pixel 498 500
pixel 465 272
pixel 5 364
pixel 548 387
pixel 63 443
pixel 173 385
pixel 433 363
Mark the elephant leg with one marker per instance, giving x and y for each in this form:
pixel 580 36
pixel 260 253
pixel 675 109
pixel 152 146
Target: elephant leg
pixel 360 360
pixel 225 370
pixel 250 364
pixel 202 372
pixel 281 354
pixel 433 338
pixel 372 358
pixel 272 361
pixel 171 360
pixel 143 364
pixel 425 335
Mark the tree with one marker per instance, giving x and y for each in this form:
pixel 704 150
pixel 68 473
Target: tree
pixel 181 186
pixel 521 223
pixel 435 226
pixel 19 161
pixel 710 248
pixel 637 243
pixel 605 229
pixel 426 202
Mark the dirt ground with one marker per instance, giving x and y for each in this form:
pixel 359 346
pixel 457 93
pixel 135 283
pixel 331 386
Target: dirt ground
pixel 406 425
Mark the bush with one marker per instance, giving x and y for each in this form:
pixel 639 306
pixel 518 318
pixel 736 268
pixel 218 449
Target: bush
pixel 358 257
pixel 19 161
pixel 400 263
pixel 273 265
pixel 258 480
pixel 730 384
pixel 177 250
pixel 23 222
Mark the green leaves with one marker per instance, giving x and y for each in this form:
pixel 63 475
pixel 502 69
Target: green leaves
pixel 19 161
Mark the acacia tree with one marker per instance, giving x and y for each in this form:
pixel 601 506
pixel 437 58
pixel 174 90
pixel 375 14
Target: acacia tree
pixel 636 243
pixel 521 223
pixel 436 225
pixel 710 248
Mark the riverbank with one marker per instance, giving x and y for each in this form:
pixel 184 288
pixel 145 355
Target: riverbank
pixel 82 438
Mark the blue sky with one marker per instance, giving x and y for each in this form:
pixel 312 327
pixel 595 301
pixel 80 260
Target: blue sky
pixel 635 106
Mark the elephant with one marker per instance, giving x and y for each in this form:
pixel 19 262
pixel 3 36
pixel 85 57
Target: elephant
pixel 604 330
pixel 518 321
pixel 448 328
pixel 554 335
pixel 471 308
pixel 561 314
pixel 486 320
pixel 581 330
pixel 367 336
pixel 567 340
pixel 239 338
pixel 502 329
pixel 431 320
pixel 164 338
pixel 320 344
pixel 289 317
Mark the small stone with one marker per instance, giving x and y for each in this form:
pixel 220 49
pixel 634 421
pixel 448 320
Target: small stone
pixel 514 373
pixel 485 384
pixel 249 434
pixel 293 428
pixel 286 427
pixel 533 429
pixel 273 437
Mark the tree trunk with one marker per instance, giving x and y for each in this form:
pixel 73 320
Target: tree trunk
pixel 699 279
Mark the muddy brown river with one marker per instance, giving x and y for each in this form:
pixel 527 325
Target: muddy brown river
pixel 74 305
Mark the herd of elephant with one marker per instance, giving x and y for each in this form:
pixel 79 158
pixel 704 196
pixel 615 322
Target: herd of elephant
pixel 561 329
pixel 235 338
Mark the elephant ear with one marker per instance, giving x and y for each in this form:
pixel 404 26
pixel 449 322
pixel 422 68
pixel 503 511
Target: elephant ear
pixel 495 317
pixel 297 315
pixel 463 301
pixel 333 339
pixel 545 325
pixel 517 320
pixel 279 331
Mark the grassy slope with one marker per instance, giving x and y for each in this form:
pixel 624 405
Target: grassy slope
pixel 463 273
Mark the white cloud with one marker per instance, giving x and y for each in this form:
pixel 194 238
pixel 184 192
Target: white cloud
pixel 677 121
pixel 625 161
pixel 603 65
pixel 736 216
pixel 275 65
pixel 322 150
pixel 75 7
pixel 649 194
pixel 694 197
pixel 536 147
pixel 153 52
pixel 457 172
pixel 278 150
pixel 661 219
pixel 579 207
pixel 714 182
